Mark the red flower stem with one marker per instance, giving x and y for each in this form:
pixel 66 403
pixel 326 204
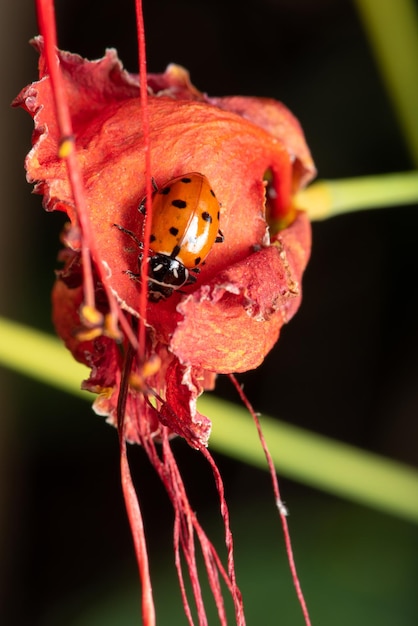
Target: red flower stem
pixel 131 498
pixel 236 594
pixel 46 22
pixel 185 525
pixel 177 558
pixel 67 151
pixel 138 535
pixel 142 64
pixel 183 533
pixel 280 506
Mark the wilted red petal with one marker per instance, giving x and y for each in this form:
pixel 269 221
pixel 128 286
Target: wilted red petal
pixel 250 284
pixel 275 118
pixel 253 299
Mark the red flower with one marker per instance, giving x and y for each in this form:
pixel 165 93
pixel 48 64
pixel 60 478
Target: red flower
pixel 253 153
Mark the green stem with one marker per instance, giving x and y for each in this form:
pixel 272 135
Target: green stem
pixel 40 356
pixel 315 460
pixel 309 458
pixel 392 28
pixel 328 198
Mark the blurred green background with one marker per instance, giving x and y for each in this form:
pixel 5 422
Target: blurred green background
pixel 346 366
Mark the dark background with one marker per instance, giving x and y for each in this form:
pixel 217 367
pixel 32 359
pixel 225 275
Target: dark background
pixel 346 366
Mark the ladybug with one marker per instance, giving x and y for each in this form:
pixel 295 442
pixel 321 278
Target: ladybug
pixel 185 226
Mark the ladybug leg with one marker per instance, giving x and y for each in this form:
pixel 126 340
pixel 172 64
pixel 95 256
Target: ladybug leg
pixel 132 275
pixel 140 245
pixel 219 237
pixel 191 280
pixel 135 275
pixel 131 235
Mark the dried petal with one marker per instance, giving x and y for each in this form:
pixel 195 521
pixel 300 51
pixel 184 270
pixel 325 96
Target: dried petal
pixel 250 284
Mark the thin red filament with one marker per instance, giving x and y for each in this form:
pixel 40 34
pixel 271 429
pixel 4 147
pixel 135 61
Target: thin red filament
pixel 279 503
pixel 142 60
pixel 131 498
pixel 47 28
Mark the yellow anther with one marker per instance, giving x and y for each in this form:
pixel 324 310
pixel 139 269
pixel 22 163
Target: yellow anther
pixel 91 317
pixel 66 147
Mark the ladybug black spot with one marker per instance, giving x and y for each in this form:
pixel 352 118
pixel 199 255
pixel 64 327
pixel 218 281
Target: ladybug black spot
pixel 165 191
pixel 213 193
pixel 197 260
pixel 174 231
pixel 206 216
pixel 152 238
pixel 175 252
pixel 179 204
pixel 186 179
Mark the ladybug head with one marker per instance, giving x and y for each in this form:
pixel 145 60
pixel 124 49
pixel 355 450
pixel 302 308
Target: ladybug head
pixel 165 275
